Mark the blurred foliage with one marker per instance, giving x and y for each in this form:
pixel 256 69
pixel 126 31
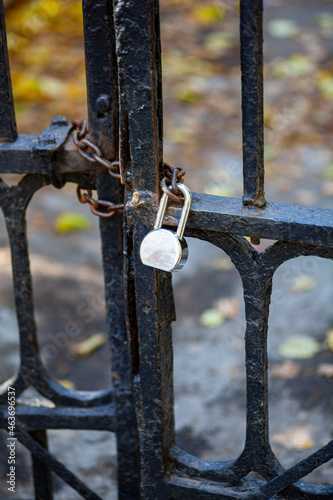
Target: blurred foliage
pixel 68 222
pixel 47 61
pixel 201 75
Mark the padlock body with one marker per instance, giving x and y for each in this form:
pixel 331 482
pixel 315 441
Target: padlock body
pixel 162 249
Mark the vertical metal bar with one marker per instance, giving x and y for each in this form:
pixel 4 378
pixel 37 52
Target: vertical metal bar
pixel 8 130
pixel 41 473
pixel 101 74
pixel 138 52
pixel 252 101
pixel 102 85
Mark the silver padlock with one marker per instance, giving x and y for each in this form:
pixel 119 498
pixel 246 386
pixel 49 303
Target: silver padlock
pixel 162 248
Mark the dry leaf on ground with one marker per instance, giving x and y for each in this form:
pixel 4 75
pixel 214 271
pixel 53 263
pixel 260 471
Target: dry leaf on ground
pixel 88 346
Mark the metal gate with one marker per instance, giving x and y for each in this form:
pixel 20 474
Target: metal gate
pixel 122 44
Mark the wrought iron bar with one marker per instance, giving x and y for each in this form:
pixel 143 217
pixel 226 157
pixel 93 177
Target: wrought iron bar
pixel 251 39
pixel 8 130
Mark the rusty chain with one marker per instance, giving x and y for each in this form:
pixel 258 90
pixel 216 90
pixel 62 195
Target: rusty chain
pixel 101 208
pixel 92 153
pixel 169 182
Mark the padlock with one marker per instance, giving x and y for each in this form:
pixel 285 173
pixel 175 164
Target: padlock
pixel 162 248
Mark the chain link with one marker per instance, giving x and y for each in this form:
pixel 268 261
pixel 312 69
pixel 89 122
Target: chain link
pixel 101 208
pixel 90 151
pixel 169 182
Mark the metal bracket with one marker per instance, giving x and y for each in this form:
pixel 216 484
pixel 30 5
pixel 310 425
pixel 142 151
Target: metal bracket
pixel 52 139
pixel 53 136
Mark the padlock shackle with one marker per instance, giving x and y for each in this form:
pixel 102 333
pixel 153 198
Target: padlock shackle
pixel 186 209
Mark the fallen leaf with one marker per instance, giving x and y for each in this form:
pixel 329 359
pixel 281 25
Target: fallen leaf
pixel 211 318
pixel 282 28
pixel 305 445
pixel 324 20
pixel 228 306
pixel 179 136
pixel 286 370
pixel 328 172
pixel 88 346
pixel 325 370
pixel 299 347
pixel 208 15
pixel 295 65
pixel 303 283
pixel 325 83
pixel 217 42
pixel 69 384
pixel 295 437
pixel 187 93
pixel 72 221
pixel 329 339
pixel 219 190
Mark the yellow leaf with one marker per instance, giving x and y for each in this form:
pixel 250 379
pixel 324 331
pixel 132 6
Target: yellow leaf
pixel 72 221
pixel 303 283
pixel 325 83
pixel 218 42
pixel 25 87
pixel 88 346
pixel 228 306
pixel 295 65
pixel 219 190
pixel 211 318
pixel 66 383
pixel 329 339
pixel 187 93
pixel 299 347
pixel 179 136
pixel 208 15
pixel 307 444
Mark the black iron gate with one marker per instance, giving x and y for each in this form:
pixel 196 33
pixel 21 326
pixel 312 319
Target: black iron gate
pixel 122 44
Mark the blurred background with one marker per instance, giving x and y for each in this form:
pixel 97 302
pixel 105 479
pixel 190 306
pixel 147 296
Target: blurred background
pixel 202 133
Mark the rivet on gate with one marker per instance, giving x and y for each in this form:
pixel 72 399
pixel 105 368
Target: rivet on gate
pixel 161 248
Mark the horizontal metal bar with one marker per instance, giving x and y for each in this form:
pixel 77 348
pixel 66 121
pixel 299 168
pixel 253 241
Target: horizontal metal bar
pixel 21 157
pixel 276 221
pixel 42 417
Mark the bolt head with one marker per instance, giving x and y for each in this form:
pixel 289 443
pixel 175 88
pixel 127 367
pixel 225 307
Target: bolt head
pixel 104 103
pixel 47 138
pixel 59 120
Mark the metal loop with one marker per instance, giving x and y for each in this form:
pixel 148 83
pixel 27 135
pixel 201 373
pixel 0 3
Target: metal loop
pixel 76 140
pixel 169 184
pixel 112 209
pixel 80 128
pixel 86 156
pixel 169 193
pixel 95 154
pixel 109 165
pixel 91 145
pixel 83 197
pixel 174 180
